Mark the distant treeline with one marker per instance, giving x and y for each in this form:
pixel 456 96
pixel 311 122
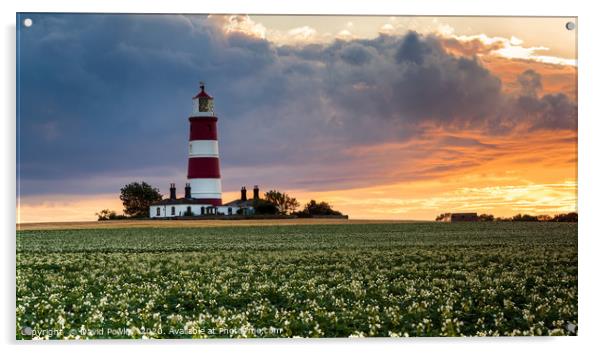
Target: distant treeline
pixel 563 217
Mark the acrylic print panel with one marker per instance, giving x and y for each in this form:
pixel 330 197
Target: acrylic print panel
pixel 221 176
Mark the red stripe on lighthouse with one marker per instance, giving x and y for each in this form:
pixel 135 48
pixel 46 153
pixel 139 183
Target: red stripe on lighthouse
pixel 203 128
pixel 203 167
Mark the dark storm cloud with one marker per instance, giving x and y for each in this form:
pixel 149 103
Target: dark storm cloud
pixel 355 54
pixel 550 111
pixel 104 99
pixel 530 82
pixel 415 50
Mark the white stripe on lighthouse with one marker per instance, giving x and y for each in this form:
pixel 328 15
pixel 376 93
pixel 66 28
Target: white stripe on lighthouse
pixel 203 148
pixel 205 188
pixel 202 114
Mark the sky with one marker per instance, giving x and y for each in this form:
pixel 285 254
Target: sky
pixel 382 117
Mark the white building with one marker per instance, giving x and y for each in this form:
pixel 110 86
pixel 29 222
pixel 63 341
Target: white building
pixel 188 206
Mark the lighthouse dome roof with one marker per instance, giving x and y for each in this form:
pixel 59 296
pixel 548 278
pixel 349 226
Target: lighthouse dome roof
pixel 202 93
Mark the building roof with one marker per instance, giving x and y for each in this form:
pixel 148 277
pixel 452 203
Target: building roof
pixel 202 93
pixel 180 201
pixel 185 201
pixel 240 203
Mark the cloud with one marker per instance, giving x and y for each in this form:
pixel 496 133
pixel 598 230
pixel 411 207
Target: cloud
pixel 344 34
pixel 304 33
pixel 414 49
pixel 509 48
pixel 530 83
pixel 552 111
pixel 387 28
pixel 118 92
pixel 355 54
pixel 554 78
pixel 239 24
pixel 470 46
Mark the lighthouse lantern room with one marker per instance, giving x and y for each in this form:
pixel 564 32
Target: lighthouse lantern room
pixel 202 103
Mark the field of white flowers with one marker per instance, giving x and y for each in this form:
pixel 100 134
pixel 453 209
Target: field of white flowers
pixel 473 279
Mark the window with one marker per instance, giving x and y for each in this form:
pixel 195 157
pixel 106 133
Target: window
pixel 229 210
pixel 173 211
pixel 158 211
pixel 202 210
pixel 189 210
pixel 203 104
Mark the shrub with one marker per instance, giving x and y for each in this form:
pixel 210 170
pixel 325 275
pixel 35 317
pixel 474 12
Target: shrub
pixel 313 208
pixel 264 207
pixel 106 214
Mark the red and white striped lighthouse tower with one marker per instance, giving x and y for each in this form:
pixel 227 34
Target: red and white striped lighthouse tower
pixel 203 154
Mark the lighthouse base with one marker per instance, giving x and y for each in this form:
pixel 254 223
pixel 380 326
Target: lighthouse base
pixel 212 202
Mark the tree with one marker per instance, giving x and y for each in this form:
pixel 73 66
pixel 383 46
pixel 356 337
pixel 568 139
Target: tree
pixel 486 217
pixel 313 208
pixel 282 201
pixel 264 207
pixel 137 197
pixel 524 218
pixel 442 217
pixel 565 217
pixel 106 214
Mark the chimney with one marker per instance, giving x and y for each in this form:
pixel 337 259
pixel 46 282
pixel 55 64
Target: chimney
pixel 243 193
pixel 187 191
pixel 172 191
pixel 256 193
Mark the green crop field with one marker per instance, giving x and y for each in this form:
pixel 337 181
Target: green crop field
pixel 414 279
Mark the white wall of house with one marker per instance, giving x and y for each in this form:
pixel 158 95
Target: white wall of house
pixel 167 211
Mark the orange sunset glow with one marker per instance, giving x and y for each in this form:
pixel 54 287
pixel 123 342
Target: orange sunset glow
pixel 513 151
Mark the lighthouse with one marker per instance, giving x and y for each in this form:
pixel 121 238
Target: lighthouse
pixel 203 189
pixel 203 153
